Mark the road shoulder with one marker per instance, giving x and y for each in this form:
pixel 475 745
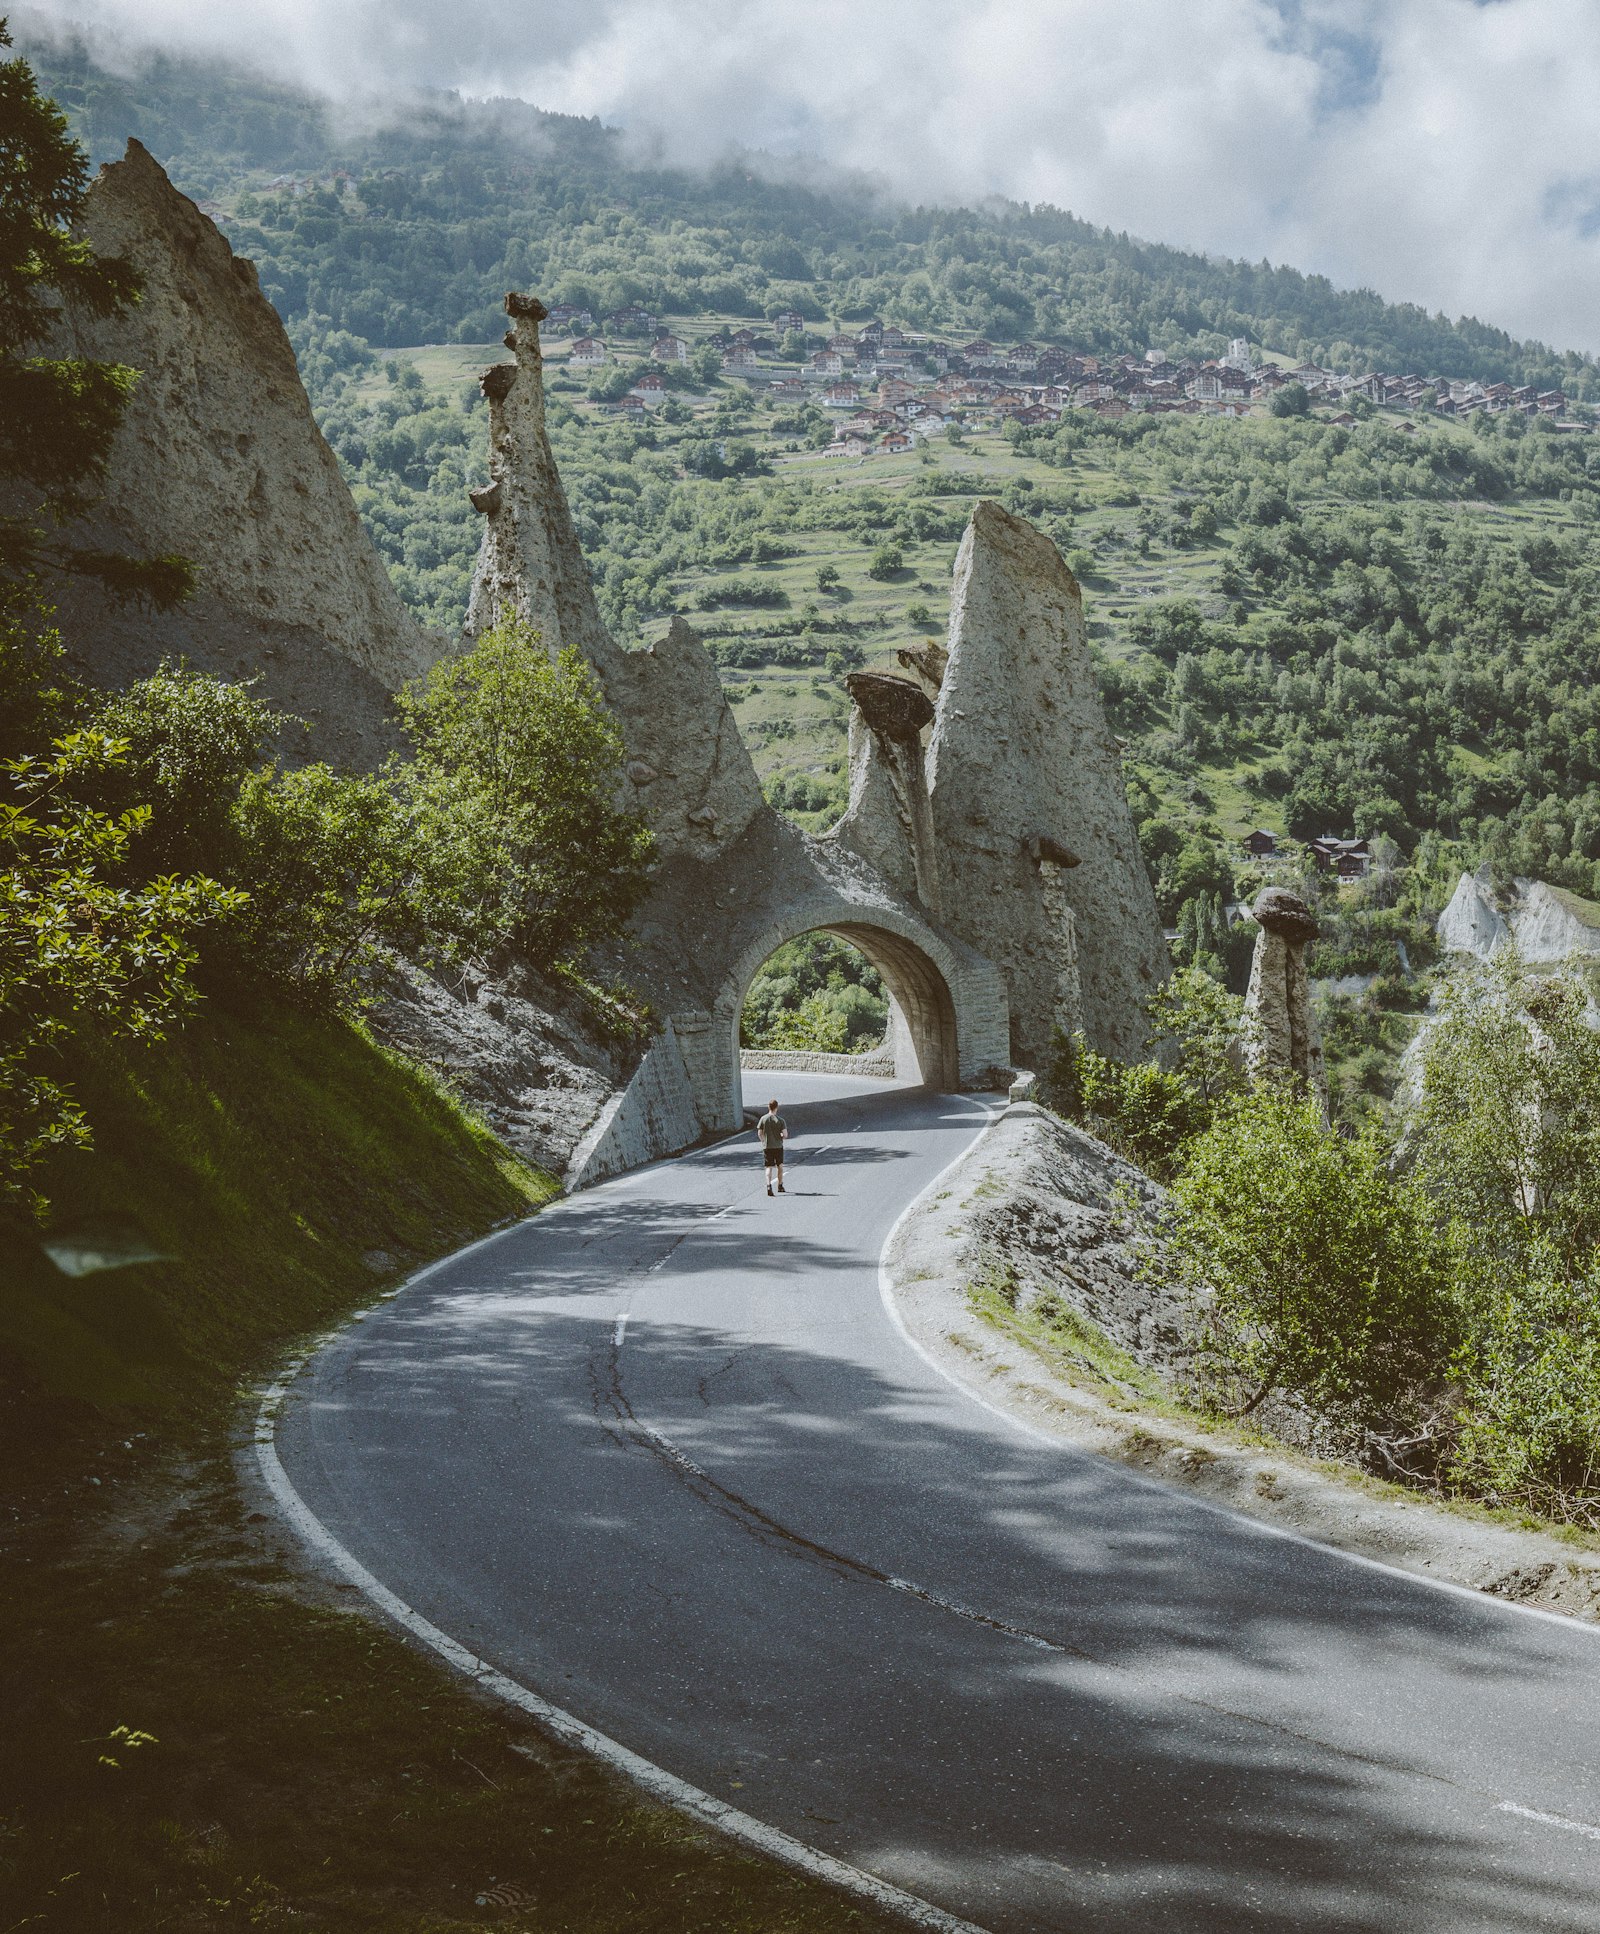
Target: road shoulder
pixel 934 1259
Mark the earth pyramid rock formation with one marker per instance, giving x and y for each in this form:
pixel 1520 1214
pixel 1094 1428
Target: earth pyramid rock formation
pixel 1280 1024
pixel 1038 859
pixel 219 460
pixel 736 880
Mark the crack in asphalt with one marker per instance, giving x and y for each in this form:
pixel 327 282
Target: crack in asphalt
pixel 606 1377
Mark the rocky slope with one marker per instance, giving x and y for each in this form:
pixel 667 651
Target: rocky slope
pixel 219 460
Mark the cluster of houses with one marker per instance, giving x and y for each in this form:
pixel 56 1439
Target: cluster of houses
pixel 1350 859
pixel 893 388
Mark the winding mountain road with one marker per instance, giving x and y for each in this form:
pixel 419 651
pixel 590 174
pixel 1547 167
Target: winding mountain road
pixel 661 1455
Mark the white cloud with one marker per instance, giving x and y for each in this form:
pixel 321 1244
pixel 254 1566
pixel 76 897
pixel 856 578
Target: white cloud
pixel 1440 151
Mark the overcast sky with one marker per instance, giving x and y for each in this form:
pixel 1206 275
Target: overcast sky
pixel 1440 151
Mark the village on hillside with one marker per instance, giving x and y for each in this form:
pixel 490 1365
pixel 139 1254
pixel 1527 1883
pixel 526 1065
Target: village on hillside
pixel 892 388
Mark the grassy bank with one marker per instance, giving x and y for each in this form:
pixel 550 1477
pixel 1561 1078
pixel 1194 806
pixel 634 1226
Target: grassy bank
pixel 201 1739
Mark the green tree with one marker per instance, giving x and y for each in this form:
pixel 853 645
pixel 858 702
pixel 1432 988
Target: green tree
pixel 1506 1132
pixel 1527 1433
pixel 337 870
pixel 887 562
pixel 1292 400
pixel 189 741
pixel 80 945
pixel 1312 1272
pixel 58 414
pixel 514 784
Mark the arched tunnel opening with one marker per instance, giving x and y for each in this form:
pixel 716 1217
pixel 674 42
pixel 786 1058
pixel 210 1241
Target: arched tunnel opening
pixel 878 990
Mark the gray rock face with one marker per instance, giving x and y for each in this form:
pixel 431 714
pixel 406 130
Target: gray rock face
pixel 521 1053
pixel 1281 1034
pixel 1471 923
pixel 1021 767
pixel 1550 925
pixel 219 460
pixel 1070 1221
pixel 689 771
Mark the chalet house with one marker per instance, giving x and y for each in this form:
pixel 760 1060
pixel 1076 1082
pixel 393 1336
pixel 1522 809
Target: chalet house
pixel 743 339
pixel 634 321
pixel 979 353
pixel 871 330
pixel 1261 845
pixel 1552 402
pixel 565 316
pixel 1351 859
pixel 629 405
pixel 650 388
pixel 1112 406
pixel 892 390
pixel 830 362
pixel 788 389
pixel 893 440
pixel 588 353
pixel 789 322
pixel 840 396
pixel 846 345
pixel 739 356
pixel 670 349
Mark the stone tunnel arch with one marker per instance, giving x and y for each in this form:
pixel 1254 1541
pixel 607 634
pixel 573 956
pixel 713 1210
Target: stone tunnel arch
pixel 924 1029
pixel 947 1018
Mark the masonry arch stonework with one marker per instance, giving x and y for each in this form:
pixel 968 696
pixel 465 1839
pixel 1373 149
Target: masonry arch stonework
pixel 917 970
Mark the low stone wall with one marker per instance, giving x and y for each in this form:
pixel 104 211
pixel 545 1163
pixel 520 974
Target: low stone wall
pixel 879 1063
pixel 653 1116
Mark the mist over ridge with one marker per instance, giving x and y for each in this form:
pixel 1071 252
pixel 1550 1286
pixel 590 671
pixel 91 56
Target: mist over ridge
pixel 1439 152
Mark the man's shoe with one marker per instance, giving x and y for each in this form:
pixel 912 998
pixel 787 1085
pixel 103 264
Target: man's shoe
pixel 782 1190
pixel 769 1188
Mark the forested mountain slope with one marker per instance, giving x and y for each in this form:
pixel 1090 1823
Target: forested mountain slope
pixel 451 203
pixel 1383 626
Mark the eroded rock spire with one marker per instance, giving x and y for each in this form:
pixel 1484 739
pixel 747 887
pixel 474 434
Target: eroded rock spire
pixel 1281 1036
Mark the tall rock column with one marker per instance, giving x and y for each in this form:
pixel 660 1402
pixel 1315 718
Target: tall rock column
pixel 1281 1035
pixel 688 770
pixel 889 821
pixel 530 563
pixel 1040 868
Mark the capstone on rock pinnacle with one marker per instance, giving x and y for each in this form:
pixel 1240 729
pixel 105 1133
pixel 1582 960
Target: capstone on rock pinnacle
pixel 1280 1036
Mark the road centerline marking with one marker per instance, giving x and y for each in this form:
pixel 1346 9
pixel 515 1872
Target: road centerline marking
pixel 620 1331
pixel 1549 1819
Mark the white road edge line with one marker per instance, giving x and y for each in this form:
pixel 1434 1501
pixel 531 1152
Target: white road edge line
pixel 1549 1819
pixel 886 1296
pixel 620 1331
pixel 655 1780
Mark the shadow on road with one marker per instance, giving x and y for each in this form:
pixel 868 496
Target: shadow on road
pixel 1001 1673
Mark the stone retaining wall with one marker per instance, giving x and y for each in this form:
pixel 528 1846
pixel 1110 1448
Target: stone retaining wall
pixel 879 1063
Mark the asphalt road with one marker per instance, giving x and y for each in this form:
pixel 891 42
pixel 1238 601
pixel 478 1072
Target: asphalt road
pixel 661 1455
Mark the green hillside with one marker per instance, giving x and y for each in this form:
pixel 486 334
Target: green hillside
pixel 1383 626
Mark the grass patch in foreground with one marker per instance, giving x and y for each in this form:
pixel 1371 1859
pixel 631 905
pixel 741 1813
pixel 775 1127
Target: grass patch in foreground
pixel 305 1768
pixel 1068 1344
pixel 200 1739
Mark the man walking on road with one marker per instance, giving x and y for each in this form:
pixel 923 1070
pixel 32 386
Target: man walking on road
pixel 772 1131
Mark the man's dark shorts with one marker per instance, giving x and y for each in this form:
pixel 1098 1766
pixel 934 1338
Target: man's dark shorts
pixel 774 1156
